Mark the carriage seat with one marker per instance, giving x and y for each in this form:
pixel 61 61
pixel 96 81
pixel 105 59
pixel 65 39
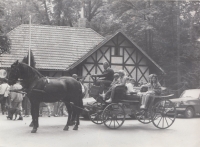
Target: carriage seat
pixel 132 97
pixel 121 95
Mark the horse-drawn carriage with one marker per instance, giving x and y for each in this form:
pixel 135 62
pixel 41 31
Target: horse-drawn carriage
pixel 160 110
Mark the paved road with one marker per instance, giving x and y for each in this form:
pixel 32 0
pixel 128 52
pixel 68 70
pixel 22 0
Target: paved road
pixel 183 133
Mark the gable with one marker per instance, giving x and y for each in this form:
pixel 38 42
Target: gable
pixel 121 41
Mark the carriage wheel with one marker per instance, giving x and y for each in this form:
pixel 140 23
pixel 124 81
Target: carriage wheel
pixel 113 116
pixel 96 113
pixel 143 116
pixel 163 114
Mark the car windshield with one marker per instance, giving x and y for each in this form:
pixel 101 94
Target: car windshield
pixel 191 94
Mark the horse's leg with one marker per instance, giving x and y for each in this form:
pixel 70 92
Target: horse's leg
pixel 35 116
pixel 73 117
pixel 77 112
pixel 69 110
pixel 32 114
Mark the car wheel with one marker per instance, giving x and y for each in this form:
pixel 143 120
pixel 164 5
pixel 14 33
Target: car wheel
pixel 189 112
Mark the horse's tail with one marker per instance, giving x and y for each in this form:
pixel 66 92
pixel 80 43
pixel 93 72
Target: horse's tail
pixel 80 96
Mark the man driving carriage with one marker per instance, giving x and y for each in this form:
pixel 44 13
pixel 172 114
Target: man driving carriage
pixel 106 77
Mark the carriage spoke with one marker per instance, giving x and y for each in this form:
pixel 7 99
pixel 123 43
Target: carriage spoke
pixel 170 118
pixel 163 122
pixel 165 114
pixel 110 122
pixel 159 122
pixel 116 116
pixel 117 122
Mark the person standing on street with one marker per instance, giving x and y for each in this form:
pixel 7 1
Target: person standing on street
pixel 4 92
pixel 16 100
pixel 26 106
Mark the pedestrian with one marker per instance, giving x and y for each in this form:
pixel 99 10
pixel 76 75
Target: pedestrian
pixel 55 109
pixel 26 106
pixel 4 92
pixel 42 105
pixel 16 98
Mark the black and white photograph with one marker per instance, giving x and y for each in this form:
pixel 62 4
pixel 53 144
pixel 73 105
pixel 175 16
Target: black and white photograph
pixel 99 73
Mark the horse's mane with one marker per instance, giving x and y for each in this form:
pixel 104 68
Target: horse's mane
pixel 32 69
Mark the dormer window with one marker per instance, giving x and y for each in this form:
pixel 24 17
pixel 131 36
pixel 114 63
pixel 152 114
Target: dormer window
pixel 117 51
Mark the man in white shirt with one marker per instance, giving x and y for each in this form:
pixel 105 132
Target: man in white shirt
pixel 4 92
pixel 16 100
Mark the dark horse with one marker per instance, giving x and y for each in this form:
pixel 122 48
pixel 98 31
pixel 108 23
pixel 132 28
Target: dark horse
pixel 43 89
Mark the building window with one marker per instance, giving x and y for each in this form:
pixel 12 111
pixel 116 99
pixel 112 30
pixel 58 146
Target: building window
pixel 116 51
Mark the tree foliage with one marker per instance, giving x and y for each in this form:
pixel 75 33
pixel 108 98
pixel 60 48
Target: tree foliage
pixel 5 42
pixel 168 31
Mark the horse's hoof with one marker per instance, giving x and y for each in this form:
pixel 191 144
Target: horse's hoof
pixel 75 128
pixel 9 117
pixel 34 131
pixel 66 128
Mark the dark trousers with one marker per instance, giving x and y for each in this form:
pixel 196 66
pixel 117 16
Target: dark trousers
pixel 100 82
pixel 3 105
pixel 26 105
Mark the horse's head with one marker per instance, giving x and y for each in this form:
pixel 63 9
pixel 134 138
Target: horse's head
pixel 14 74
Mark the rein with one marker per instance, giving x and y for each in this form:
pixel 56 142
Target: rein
pixel 18 91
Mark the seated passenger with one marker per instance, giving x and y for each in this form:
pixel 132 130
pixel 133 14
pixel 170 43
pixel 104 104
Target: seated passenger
pixel 130 86
pixel 107 77
pixel 122 82
pixel 154 88
pixel 114 82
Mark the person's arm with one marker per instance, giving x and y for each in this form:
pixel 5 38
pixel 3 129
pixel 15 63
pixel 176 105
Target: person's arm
pixel 123 82
pixel 157 89
pixel 7 91
pixel 105 74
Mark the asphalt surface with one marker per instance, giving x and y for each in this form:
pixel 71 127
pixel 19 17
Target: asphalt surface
pixel 183 133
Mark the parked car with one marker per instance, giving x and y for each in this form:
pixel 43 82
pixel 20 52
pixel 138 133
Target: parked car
pixel 188 103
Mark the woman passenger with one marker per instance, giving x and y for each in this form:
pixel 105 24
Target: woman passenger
pixel 121 82
pixel 154 88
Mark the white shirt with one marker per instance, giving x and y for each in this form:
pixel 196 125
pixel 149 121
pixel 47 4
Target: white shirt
pixel 130 88
pixel 4 89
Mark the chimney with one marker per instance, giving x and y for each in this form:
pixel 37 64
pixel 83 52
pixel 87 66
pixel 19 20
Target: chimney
pixel 82 22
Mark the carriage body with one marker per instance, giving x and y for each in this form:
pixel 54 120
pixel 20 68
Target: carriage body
pixel 160 110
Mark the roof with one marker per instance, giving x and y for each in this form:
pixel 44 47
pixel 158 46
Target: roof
pixel 53 47
pixel 107 40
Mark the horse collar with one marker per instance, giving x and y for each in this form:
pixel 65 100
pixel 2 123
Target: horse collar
pixel 47 80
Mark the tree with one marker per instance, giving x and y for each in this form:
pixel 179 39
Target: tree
pixel 92 8
pixel 4 40
pixel 66 12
